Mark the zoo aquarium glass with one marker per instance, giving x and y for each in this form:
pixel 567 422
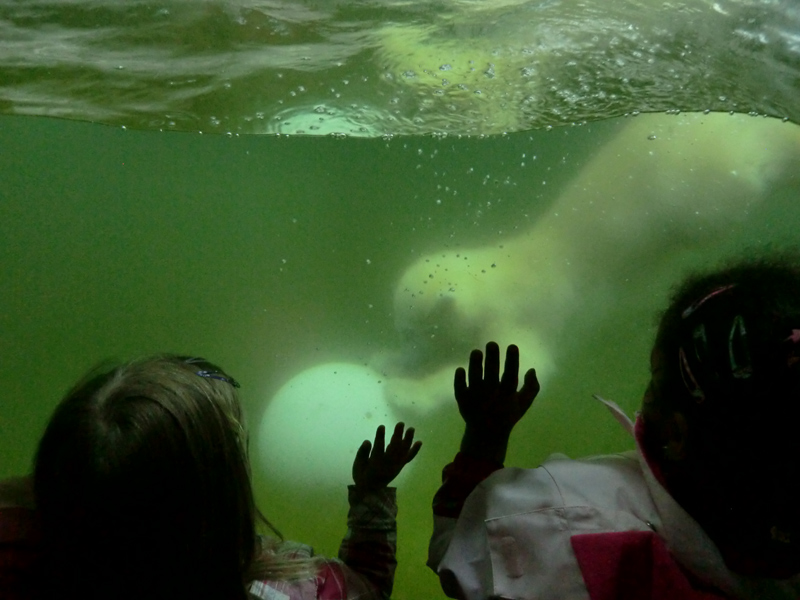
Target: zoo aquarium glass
pixel 337 201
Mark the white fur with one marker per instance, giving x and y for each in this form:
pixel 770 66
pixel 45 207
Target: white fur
pixel 663 185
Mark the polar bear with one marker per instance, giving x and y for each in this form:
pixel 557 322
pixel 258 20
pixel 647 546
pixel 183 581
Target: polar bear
pixel 665 184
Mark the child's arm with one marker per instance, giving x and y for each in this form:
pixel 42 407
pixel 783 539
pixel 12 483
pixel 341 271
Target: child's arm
pixel 369 548
pixel 490 407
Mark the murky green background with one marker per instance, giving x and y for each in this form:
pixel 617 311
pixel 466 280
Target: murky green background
pixel 249 251
pixel 273 254
pixel 252 251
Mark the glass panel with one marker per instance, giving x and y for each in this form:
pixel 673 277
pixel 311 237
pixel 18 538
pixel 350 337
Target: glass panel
pixel 360 272
pixel 341 278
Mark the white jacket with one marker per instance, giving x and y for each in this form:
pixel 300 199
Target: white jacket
pixel 514 538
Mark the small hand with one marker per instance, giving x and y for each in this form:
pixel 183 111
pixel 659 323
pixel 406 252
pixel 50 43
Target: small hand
pixel 376 469
pixel 491 406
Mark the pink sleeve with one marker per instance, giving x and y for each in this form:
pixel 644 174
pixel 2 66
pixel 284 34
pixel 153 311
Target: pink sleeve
pixel 336 581
pixel 331 582
pixel 459 478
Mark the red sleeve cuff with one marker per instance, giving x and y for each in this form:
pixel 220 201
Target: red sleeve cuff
pixel 459 478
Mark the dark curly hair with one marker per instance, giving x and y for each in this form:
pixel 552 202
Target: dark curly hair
pixel 727 362
pixel 730 342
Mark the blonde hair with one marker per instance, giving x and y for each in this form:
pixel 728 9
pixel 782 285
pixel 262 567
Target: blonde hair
pixel 143 485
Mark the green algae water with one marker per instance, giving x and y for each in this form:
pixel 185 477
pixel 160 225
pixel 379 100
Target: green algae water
pixel 456 173
pixel 274 255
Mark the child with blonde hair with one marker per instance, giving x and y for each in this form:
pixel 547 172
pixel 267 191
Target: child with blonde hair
pixel 141 489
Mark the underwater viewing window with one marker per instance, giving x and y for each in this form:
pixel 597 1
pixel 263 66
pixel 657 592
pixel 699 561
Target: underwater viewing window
pixel 337 201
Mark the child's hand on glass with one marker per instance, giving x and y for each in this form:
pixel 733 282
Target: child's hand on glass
pixel 491 405
pixel 375 467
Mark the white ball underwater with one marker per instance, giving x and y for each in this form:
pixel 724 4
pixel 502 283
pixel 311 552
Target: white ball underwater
pixel 313 426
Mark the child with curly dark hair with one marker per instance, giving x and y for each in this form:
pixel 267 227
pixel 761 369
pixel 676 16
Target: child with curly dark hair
pixel 707 505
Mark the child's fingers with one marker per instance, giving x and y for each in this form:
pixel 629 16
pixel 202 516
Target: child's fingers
pixel 530 387
pixel 380 440
pixel 510 378
pixel 475 369
pixel 401 442
pixel 460 383
pixel 412 453
pixel 398 446
pixel 408 449
pixel 409 437
pixel 362 455
pixel 397 434
pixel 491 369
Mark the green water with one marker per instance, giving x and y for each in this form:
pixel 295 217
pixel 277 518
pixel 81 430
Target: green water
pixel 271 255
